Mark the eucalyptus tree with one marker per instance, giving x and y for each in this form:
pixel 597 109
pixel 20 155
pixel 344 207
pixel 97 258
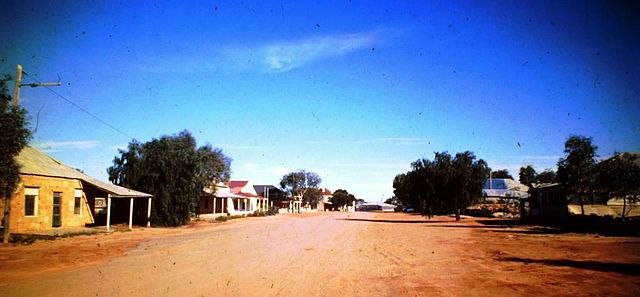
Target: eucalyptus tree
pixel 341 198
pixel 527 175
pixel 619 177
pixel 443 185
pixel 545 177
pixel 469 177
pixel 302 185
pixel 576 170
pixel 501 173
pixel 173 171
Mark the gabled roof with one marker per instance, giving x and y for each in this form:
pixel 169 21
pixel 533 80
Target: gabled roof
pixel 237 185
pixel 35 162
pixel 326 192
pixel 504 184
pixel 504 187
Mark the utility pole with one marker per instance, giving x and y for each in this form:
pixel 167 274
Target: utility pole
pixel 16 102
pixel 16 86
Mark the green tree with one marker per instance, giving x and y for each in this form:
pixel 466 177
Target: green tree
pixel 173 170
pixel 393 200
pixel 14 136
pixel 302 185
pixel 214 166
pixel 546 177
pixel 619 177
pixel 443 185
pixel 341 198
pixel 469 177
pixel 312 196
pixel 401 190
pixel 577 169
pixel 527 175
pixel 502 173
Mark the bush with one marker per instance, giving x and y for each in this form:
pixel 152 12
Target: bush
pixel 272 211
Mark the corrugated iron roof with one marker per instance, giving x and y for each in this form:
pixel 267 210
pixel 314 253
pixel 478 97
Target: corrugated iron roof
pixel 35 162
pixel 505 187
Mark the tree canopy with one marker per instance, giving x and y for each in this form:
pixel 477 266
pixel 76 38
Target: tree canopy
pixel 14 136
pixel 501 173
pixel 619 177
pixel 341 198
pixel 302 185
pixel 173 170
pixel 546 176
pixel 443 185
pixel 576 168
pixel 527 175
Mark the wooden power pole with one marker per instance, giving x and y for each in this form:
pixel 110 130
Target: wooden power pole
pixel 16 102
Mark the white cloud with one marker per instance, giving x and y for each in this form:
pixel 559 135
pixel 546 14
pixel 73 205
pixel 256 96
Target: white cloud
pixel 283 56
pixel 271 57
pixel 61 145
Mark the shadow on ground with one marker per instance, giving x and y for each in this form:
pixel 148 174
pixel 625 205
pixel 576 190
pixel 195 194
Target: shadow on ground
pixel 515 226
pixel 395 221
pixel 624 268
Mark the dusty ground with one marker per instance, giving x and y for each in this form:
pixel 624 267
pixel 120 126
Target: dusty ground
pixel 327 254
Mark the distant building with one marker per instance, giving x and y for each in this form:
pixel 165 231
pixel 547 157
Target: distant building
pixel 546 200
pixel 232 198
pixel 271 192
pixel 503 189
pixel 372 206
pixel 325 203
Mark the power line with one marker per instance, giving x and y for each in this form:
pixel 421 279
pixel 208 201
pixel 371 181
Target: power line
pixel 82 109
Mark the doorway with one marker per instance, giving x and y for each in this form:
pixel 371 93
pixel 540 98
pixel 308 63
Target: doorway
pixel 56 220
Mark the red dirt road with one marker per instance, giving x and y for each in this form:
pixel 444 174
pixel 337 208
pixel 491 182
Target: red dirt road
pixel 326 254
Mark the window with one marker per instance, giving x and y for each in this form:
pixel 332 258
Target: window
pixel 31 201
pixel 77 202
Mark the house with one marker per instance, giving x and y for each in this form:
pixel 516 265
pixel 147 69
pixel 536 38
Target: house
pixel 231 198
pixel 322 204
pixel 325 203
pixel 271 192
pixel 52 195
pixel 621 206
pixel 546 200
pixel 552 200
pixel 375 206
pixel 496 189
pixel 250 201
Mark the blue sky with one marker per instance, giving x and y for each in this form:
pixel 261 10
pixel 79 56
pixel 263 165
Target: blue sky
pixel 354 90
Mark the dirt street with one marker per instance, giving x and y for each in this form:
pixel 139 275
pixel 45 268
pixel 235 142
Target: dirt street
pixel 326 254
